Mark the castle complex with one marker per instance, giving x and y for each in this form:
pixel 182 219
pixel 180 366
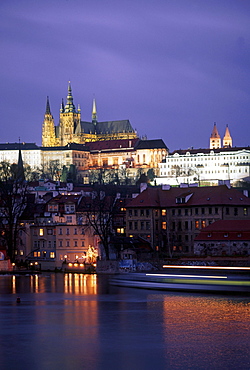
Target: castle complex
pixel 72 129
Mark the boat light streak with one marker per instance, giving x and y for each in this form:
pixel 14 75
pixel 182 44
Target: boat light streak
pixel 194 276
pixel 205 267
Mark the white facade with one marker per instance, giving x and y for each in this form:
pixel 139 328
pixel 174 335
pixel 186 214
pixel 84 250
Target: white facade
pixel 205 165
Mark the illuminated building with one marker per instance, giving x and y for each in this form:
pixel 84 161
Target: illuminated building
pixel 171 218
pixel 71 129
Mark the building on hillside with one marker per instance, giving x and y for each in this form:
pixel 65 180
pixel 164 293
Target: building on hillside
pixel 171 218
pixel 30 153
pixel 206 166
pixel 71 129
pixel 224 238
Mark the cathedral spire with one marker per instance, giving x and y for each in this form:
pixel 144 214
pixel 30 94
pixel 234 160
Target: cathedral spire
pixel 94 112
pixel 48 111
pixel 227 140
pixel 69 107
pixel 62 106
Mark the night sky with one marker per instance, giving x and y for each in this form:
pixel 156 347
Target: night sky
pixel 172 68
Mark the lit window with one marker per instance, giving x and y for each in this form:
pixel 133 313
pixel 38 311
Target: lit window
pixel 52 254
pixel 164 225
pixel 197 224
pixel 41 232
pixel 163 212
pixel 203 224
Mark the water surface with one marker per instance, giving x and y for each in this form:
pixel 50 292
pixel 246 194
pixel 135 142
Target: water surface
pixel 77 321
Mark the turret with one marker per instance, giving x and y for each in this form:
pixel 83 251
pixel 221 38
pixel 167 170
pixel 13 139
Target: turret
pixel 69 107
pixel 48 130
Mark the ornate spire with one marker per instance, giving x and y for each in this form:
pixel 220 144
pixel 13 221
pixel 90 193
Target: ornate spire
pixel 62 106
pixel 94 113
pixel 69 107
pixel 48 107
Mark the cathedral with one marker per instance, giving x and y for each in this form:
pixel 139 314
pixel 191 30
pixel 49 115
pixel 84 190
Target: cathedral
pixel 71 129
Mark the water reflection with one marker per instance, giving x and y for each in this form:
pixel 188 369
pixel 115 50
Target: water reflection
pixel 77 321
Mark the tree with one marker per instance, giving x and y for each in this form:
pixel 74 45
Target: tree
pixel 13 200
pixel 98 212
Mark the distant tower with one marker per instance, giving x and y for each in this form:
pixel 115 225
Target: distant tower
pixel 215 140
pixel 227 140
pixel 48 130
pixel 94 113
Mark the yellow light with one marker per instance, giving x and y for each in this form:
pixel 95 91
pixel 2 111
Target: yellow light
pixel 31 264
pixel 206 267
pixel 13 264
pixel 81 264
pixel 36 263
pixel 70 264
pixel 75 264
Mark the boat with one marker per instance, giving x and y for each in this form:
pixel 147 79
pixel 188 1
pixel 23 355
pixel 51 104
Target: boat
pixel 220 279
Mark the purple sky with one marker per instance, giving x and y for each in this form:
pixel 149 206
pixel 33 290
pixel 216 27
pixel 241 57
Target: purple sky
pixel 172 68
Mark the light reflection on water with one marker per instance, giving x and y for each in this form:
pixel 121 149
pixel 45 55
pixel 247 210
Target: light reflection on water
pixel 77 321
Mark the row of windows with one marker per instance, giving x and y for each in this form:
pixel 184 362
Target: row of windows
pixel 136 212
pixel 136 225
pixel 41 231
pixel 44 254
pixel 171 173
pixel 66 243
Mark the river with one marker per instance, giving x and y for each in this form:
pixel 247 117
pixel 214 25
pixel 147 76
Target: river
pixel 77 321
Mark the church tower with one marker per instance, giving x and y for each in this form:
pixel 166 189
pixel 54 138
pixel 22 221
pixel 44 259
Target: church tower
pixel 48 130
pixel 94 113
pixel 227 140
pixel 70 121
pixel 215 140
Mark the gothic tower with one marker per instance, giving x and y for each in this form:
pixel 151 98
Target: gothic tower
pixel 227 140
pixel 215 140
pixel 48 130
pixel 70 121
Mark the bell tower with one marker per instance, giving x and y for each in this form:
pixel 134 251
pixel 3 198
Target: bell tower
pixel 227 140
pixel 70 121
pixel 215 140
pixel 48 129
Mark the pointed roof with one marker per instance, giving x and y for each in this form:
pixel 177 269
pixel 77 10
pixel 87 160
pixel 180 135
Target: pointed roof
pixel 215 133
pixel 20 170
pixel 94 112
pixel 227 133
pixel 69 107
pixel 48 111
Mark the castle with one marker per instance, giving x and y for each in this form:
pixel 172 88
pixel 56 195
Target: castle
pixel 71 129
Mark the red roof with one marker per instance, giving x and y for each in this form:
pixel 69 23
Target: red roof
pixel 226 230
pixel 112 144
pixel 194 196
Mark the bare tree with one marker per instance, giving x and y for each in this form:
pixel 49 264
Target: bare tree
pixel 98 211
pixel 13 200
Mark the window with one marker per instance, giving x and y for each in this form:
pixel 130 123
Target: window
pixel 41 232
pixel 245 211
pixel 186 225
pixel 235 211
pixel 147 212
pixel 136 225
pixel 210 210
pixel 179 212
pixel 49 244
pixel 173 226
pixel 67 243
pixel 60 243
pixel 52 254
pixel 130 212
pixel 197 226
pixel 164 225
pixel 142 212
pixel 216 210
pixel 202 211
pixel 120 230
pixel 203 224
pixel 130 225
pixel 196 211
pixel 49 231
pixel 75 243
pixel 69 219
pixel 142 225
pixel 147 225
pixel 60 231
pixel 75 231
pixel 227 211
pixel 186 212
pixel 67 231
pixel 135 213
pixel 163 212
pixel 173 212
